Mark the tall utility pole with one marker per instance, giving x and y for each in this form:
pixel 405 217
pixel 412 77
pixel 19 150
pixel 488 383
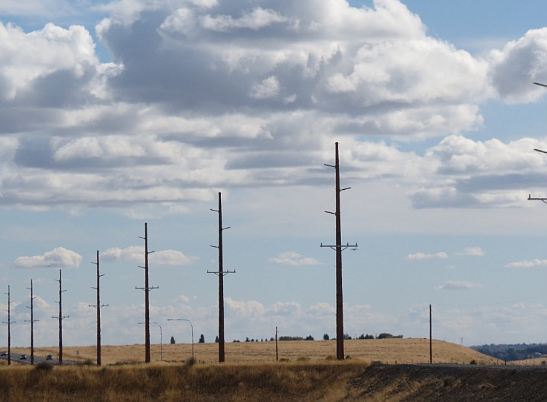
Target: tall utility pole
pixel 338 247
pixel 221 273
pixel 276 347
pixel 430 336
pixel 147 290
pixel 60 318
pixel 9 325
pixel 32 321
pixel 98 306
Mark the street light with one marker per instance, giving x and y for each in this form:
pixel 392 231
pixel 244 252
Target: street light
pixel 192 326
pixel 161 337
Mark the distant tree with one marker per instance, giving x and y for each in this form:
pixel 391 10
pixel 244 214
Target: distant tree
pixel 385 335
pixel 247 339
pixel 367 336
pixel 347 336
pixel 217 340
pixel 201 339
pixel 326 337
pixel 309 338
pixel 290 338
pixel 271 339
pixel 172 340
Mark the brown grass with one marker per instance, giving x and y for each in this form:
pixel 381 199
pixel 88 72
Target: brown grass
pixel 326 382
pixel 392 351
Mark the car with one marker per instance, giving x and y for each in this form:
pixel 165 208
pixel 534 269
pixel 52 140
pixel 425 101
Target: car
pixel 23 357
pixel 49 357
pixel 3 353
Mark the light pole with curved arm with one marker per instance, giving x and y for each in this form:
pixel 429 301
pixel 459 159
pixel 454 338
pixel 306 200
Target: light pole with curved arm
pixel 191 325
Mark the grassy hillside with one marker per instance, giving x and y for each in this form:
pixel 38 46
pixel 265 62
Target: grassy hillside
pixel 390 351
pixel 273 382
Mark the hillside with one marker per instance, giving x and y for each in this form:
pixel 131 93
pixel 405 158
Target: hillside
pixel 270 382
pixel 392 351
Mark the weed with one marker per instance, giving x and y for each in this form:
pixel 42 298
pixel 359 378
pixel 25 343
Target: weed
pixel 44 367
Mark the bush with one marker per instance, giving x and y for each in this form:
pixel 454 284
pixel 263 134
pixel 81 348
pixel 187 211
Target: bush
pixel 44 366
pixel 326 337
pixel 190 362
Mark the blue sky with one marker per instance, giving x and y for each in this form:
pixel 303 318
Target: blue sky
pixel 117 114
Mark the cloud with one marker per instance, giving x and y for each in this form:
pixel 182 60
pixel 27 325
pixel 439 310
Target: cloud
pixel 459 285
pixel 59 257
pixel 214 93
pixel 472 251
pixel 136 254
pixel 293 259
pixel 518 64
pixel 424 256
pixel 527 264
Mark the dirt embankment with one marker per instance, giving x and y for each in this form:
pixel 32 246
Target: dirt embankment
pixel 449 383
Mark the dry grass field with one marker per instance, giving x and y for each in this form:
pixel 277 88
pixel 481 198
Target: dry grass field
pixel 307 372
pixel 391 351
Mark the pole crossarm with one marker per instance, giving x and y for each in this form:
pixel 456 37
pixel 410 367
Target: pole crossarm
pixel 149 288
pixel 341 246
pixel 223 273
pixel 542 199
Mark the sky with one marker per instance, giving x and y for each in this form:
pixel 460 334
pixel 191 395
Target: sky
pixel 117 114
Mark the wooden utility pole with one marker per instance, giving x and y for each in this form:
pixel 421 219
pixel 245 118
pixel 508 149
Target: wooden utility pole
pixel 430 336
pixel 221 273
pixel 60 318
pixel 276 346
pixel 32 321
pixel 98 306
pixel 9 325
pixel 339 247
pixel 147 290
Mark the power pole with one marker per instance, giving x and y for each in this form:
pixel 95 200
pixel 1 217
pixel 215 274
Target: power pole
pixel 60 318
pixel 147 290
pixel 221 273
pixel 339 247
pixel 276 347
pixel 32 321
pixel 98 306
pixel 430 336
pixel 9 325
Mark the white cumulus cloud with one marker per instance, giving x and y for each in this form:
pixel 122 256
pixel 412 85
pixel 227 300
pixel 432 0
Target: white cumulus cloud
pixel 293 259
pixel 425 256
pixel 459 285
pixel 59 257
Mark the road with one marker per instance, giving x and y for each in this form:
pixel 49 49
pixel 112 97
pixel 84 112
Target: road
pixel 25 359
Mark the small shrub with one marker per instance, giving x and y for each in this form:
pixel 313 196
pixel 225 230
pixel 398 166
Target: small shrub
pixel 44 367
pixel 473 361
pixel 303 359
pixel 191 361
pixel 284 360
